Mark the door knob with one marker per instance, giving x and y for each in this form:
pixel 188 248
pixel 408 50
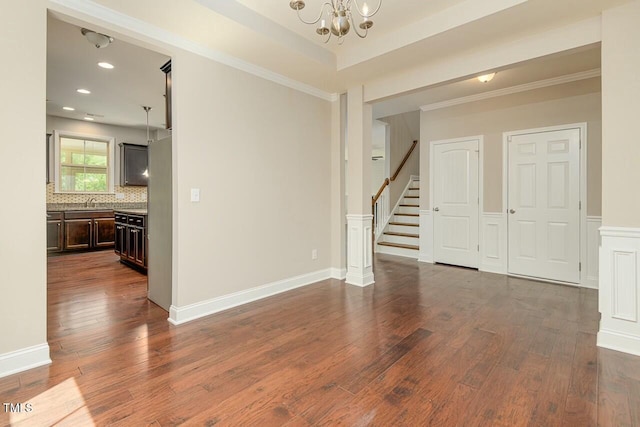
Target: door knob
pixel 512 211
pixel 436 209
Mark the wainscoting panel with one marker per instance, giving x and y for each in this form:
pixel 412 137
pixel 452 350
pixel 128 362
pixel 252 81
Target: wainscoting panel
pixel 619 296
pixel 493 243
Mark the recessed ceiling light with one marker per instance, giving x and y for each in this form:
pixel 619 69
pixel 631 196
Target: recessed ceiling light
pixel 89 118
pixel 69 108
pixel 105 65
pixel 83 91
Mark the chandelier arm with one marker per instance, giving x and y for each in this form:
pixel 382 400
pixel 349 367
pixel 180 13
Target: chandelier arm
pixel 369 15
pixel 319 16
pixel 355 29
pixel 328 38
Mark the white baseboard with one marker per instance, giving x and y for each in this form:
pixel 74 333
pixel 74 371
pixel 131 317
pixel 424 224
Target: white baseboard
pixel 619 342
pixel 187 313
pixel 493 243
pixel 619 289
pixel 24 359
pixel 338 273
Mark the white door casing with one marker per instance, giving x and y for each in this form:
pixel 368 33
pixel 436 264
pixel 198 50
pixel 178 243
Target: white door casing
pixel 543 204
pixel 456 201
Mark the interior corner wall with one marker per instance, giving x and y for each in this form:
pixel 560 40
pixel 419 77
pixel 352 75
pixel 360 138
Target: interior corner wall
pixel 260 154
pixel 23 264
pixel 570 103
pixel 338 202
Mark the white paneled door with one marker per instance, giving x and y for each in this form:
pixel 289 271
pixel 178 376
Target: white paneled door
pixel 456 203
pixel 543 205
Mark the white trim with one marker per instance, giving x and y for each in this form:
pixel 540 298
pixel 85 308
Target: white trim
pixel 429 232
pixel 619 293
pixel 426 236
pixel 111 159
pixel 148 32
pixel 583 75
pixel 493 243
pixel 338 273
pixel 360 250
pixel 608 231
pixel 187 313
pixel 619 342
pixel 24 359
pixel 593 248
pixel 584 282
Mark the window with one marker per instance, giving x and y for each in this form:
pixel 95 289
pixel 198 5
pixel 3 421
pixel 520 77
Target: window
pixel 84 164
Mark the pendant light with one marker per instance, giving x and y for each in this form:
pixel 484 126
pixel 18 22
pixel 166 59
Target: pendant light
pixel 147 109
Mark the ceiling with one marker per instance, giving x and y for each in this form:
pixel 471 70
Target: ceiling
pixel 267 33
pixel 117 95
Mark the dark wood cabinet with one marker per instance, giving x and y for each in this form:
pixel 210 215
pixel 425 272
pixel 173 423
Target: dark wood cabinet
pixel 134 163
pixel 80 230
pixel 103 232
pixel 55 235
pixel 77 233
pixel 131 239
pixel 120 237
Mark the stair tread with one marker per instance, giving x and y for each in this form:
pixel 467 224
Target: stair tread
pixel 395 233
pixel 406 214
pixel 410 206
pixel 404 223
pixel 412 197
pixel 399 245
pixel 415 188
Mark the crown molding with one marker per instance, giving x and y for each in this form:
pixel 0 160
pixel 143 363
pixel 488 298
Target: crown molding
pixel 583 75
pixel 149 32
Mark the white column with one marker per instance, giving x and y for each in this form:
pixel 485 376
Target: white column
pixel 359 218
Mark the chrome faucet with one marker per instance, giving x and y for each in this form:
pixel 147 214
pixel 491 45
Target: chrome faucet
pixel 90 201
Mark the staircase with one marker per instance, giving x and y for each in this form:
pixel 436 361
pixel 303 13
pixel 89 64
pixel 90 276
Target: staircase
pixel 402 235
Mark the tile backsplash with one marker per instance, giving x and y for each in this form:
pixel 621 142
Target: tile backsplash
pixel 131 195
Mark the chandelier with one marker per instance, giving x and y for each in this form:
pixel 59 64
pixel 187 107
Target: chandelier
pixel 336 18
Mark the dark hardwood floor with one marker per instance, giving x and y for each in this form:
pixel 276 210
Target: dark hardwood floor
pixel 426 345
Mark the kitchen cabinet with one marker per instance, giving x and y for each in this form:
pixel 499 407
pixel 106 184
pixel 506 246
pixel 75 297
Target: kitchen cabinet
pixel 55 235
pixel 131 239
pixel 134 164
pixel 88 230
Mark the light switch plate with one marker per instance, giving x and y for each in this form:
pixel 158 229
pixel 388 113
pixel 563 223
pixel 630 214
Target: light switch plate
pixel 195 194
pixel 119 196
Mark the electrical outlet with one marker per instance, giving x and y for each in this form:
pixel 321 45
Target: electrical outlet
pixel 119 196
pixel 314 254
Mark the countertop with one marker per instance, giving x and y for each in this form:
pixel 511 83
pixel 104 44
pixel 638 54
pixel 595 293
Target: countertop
pixel 134 208
pixel 131 211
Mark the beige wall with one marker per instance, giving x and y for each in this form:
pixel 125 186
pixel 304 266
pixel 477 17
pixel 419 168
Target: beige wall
pixel 260 155
pixel 570 103
pixel 403 129
pixel 621 110
pixel 22 246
